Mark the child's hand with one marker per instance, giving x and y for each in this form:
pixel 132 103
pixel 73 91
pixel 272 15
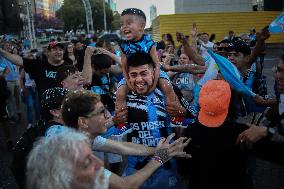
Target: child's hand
pixel 120 115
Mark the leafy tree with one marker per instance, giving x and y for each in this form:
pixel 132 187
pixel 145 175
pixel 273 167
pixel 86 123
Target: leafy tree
pixel 72 13
pixel 115 25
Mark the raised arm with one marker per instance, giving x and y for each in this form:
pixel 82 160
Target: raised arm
pixel 110 54
pixel 13 58
pixel 189 51
pixel 260 40
pixel 193 34
pixel 114 69
pixel 87 68
pixel 187 68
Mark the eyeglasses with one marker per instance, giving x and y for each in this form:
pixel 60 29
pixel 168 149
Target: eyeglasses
pixel 103 111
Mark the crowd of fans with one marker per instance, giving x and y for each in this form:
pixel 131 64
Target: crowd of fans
pixel 181 113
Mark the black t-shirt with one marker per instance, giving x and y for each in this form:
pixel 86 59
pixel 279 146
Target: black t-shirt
pixel 43 73
pixel 216 161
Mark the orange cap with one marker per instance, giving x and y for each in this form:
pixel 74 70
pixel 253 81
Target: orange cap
pixel 214 101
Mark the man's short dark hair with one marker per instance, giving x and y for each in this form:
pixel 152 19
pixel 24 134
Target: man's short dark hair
pixel 134 11
pixel 101 61
pixel 78 104
pixel 138 59
pixel 64 71
pixel 239 46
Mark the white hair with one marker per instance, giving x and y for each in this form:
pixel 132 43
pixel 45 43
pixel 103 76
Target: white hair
pixel 51 162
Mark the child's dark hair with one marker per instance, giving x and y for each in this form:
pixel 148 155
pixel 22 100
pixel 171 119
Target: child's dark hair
pixel 138 59
pixel 101 61
pixel 134 11
pixel 64 71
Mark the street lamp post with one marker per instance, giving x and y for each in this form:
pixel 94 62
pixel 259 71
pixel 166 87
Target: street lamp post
pixel 89 16
pixel 28 26
pixel 105 24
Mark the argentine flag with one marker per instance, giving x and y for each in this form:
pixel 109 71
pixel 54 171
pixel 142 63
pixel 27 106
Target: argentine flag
pixel 231 74
pixel 277 26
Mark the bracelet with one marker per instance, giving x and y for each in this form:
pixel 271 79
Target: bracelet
pixel 158 159
pixel 162 154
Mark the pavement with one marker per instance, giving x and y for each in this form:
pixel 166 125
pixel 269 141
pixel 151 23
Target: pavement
pixel 265 174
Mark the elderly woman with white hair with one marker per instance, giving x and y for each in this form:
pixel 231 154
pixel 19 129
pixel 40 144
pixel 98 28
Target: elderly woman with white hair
pixel 66 161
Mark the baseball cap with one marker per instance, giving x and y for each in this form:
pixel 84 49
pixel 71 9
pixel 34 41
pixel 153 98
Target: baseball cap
pixel 54 44
pixel 214 100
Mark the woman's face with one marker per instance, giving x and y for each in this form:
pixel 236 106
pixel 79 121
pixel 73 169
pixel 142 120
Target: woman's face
pixel 183 59
pixel 70 48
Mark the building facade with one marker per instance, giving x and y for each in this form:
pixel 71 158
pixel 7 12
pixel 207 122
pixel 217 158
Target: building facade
pixel 47 8
pixel 212 6
pixel 112 5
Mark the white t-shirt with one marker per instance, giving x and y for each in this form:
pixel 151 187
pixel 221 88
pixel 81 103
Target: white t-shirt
pixel 208 44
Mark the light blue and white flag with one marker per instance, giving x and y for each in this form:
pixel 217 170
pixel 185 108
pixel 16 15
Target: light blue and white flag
pixel 277 26
pixel 212 70
pixel 231 74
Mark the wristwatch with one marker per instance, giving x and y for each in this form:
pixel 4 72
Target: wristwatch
pixel 270 132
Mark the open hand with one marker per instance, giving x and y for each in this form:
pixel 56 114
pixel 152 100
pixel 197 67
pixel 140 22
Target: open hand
pixel 250 136
pixel 166 151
